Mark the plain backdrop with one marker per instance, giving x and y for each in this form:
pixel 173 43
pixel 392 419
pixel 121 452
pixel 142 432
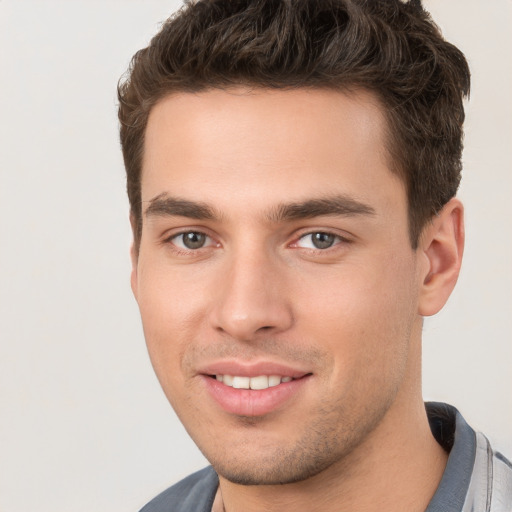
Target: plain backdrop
pixel 84 426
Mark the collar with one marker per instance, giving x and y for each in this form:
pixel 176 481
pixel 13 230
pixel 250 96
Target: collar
pixel 453 433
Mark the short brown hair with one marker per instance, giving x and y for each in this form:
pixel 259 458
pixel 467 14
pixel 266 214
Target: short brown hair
pixel 389 47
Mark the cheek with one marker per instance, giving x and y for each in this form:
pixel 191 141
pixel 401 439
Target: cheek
pixel 169 297
pixel 364 316
pixel 172 312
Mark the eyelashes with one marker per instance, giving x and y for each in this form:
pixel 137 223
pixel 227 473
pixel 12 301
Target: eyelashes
pixel 191 240
pixel 195 241
pixel 319 240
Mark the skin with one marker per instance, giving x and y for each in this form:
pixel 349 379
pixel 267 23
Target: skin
pixel 354 436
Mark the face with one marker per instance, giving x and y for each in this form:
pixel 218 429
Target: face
pixel 276 282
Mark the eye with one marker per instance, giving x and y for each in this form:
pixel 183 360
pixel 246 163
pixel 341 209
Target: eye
pixel 191 240
pixel 318 240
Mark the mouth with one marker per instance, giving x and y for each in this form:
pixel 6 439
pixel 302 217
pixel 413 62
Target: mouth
pixel 253 391
pixel 256 383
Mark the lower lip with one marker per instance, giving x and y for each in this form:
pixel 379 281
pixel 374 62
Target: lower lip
pixel 248 402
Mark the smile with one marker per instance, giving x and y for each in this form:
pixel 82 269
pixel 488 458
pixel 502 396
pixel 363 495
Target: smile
pixel 257 383
pixel 254 395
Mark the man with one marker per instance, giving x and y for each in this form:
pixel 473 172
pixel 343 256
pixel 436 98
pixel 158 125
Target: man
pixel 292 170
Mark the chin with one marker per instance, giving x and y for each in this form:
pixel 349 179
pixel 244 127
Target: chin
pixel 276 475
pixel 279 466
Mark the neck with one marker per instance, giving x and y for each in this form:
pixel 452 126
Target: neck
pixel 397 468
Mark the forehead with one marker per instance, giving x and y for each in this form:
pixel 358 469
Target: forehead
pixel 268 143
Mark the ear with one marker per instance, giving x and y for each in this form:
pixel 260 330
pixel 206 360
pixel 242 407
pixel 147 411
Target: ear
pixel 134 256
pixel 442 244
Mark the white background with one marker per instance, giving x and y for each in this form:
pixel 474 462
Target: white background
pixel 84 426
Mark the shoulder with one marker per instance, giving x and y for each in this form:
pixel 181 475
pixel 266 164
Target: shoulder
pixel 491 484
pixel 476 478
pixel 502 471
pixel 192 494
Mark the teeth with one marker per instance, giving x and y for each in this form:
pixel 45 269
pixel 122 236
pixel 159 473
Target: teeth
pixel 241 382
pixel 274 380
pixel 260 382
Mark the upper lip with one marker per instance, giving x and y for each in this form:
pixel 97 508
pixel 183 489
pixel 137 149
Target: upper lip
pixel 251 369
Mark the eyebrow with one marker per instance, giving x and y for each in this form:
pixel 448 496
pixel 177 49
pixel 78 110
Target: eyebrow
pixel 164 205
pixel 339 205
pixel 327 206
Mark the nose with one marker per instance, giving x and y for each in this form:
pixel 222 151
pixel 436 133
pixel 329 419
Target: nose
pixel 252 299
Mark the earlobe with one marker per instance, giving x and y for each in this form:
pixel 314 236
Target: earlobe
pixel 442 243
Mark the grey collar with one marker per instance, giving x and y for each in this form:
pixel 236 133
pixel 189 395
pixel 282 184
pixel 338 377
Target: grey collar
pixel 459 439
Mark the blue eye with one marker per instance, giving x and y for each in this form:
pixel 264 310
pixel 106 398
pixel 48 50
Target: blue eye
pixel 191 240
pixel 318 240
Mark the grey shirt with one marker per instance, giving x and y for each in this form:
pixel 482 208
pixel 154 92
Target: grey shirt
pixel 476 478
